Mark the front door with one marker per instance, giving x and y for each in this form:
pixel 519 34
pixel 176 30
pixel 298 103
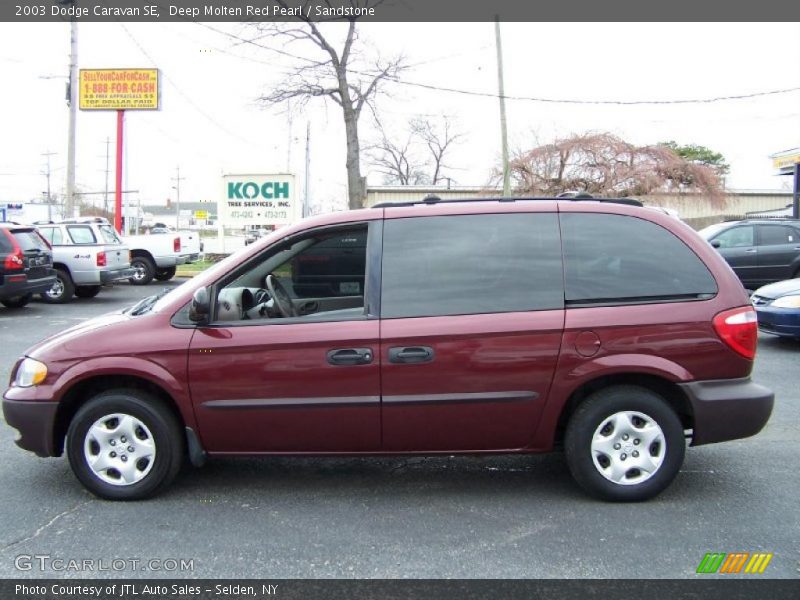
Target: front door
pixel 472 313
pixel 280 372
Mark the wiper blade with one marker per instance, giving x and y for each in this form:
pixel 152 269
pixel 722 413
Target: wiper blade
pixel 147 304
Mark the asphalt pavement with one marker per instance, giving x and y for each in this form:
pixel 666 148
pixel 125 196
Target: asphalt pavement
pixel 448 517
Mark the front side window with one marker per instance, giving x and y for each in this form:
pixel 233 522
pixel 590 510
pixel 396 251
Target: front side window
pixel 613 258
pixel 81 234
pixel 317 277
pixel 736 237
pixel 471 264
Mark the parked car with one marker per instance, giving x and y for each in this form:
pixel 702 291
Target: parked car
pixel 87 254
pixel 254 235
pixel 760 251
pixel 27 266
pixel 500 326
pixel 778 308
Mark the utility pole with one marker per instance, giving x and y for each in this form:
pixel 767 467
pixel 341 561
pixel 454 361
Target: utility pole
pixel 108 170
pixel 47 155
pixel 72 102
pixel 308 164
pixel 502 94
pixel 177 187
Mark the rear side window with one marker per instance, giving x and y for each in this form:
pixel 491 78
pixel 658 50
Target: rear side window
pixel 776 235
pixel 471 264
pixel 29 239
pixel 81 234
pixel 614 258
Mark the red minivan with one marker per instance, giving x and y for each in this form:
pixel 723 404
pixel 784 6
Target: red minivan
pixel 508 325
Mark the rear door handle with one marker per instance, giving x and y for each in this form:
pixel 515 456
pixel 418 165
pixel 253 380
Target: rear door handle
pixel 350 356
pixel 411 354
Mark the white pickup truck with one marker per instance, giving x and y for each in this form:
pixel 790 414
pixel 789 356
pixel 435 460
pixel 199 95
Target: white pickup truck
pixel 157 255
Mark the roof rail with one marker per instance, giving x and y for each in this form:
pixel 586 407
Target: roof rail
pixel 579 196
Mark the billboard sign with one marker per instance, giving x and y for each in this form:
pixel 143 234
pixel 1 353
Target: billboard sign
pixel 784 162
pixel 119 89
pixel 258 200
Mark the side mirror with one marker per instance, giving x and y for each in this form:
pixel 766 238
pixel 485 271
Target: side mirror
pixel 201 306
pixel 715 243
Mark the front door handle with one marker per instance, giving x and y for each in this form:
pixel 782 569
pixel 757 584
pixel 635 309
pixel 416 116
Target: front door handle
pixel 350 356
pixel 411 354
pixel 751 250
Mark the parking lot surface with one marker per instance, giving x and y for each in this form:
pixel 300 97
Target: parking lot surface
pixel 498 517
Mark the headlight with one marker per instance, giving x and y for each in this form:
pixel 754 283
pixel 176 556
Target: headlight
pixel 787 302
pixel 30 372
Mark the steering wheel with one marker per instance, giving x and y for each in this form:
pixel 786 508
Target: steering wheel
pixel 282 299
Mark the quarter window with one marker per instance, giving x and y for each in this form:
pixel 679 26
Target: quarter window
pixel 613 258
pixel 471 264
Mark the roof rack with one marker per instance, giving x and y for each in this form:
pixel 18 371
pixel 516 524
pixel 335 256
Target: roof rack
pixel 567 196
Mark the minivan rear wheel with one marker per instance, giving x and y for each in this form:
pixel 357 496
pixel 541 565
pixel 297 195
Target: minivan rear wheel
pixel 124 445
pixel 624 443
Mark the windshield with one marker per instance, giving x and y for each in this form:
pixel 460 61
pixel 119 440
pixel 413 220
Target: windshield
pixel 109 235
pixel 712 230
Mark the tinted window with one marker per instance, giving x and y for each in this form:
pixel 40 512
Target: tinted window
pixel 471 264
pixel 613 257
pixel 29 240
pixel 81 235
pixel 736 237
pixel 775 235
pixel 5 243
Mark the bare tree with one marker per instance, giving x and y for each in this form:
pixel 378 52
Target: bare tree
pixel 423 151
pixel 605 165
pixel 339 71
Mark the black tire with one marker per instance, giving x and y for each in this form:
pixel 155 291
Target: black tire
pixel 596 412
pixel 165 274
pixel 145 270
pixel 62 291
pixel 87 291
pixel 17 301
pixel 162 428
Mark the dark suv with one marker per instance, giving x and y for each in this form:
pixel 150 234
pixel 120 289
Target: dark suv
pixel 501 326
pixel 760 251
pixel 27 264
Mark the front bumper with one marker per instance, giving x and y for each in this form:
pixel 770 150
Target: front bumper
pixel 34 421
pixel 779 321
pixel 727 409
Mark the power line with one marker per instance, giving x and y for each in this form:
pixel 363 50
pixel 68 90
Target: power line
pixel 185 96
pixel 477 93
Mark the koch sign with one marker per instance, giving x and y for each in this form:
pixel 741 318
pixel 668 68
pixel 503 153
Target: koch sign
pixel 258 200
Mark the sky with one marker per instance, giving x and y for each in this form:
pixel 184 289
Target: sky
pixel 211 122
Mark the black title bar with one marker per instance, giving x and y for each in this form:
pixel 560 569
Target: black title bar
pixel 158 11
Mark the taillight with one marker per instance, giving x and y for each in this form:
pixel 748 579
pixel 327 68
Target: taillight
pixel 176 245
pixel 738 328
pixel 14 261
pixel 101 259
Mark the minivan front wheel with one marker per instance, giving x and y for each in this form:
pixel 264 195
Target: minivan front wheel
pixel 624 443
pixel 124 445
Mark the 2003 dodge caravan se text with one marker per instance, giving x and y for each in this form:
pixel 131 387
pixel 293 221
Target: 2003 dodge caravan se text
pixel 497 326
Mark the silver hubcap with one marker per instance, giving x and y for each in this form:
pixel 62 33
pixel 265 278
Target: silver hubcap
pixel 628 448
pixel 119 449
pixel 139 271
pixel 57 290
